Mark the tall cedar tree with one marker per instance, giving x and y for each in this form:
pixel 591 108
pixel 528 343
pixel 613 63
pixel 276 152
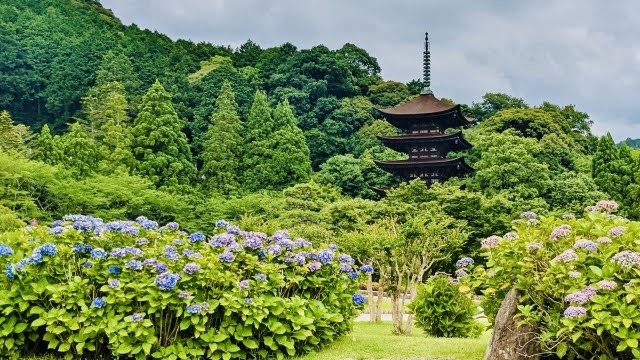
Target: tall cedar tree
pixel 605 167
pixel 223 146
pixel 159 144
pixel 10 138
pixel 285 156
pixel 81 153
pixel 47 148
pixel 116 66
pixel 115 127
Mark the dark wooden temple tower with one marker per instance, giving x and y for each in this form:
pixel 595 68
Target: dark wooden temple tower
pixel 424 120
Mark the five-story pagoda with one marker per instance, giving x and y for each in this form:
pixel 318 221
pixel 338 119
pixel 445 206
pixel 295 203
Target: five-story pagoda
pixel 424 120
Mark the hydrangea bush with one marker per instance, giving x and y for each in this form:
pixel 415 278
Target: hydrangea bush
pixel 136 290
pixel 579 281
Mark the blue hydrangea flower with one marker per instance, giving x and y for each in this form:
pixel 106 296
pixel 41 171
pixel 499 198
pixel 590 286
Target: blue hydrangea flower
pixel 142 241
pixel 232 229
pixel 83 226
pixel 88 248
pixel 98 303
pixel 221 224
pixel 5 250
pixel 184 295
pixel 167 281
pixel 160 267
pixel 260 277
pixel 333 247
pixel 226 257
pixel 191 268
pixel 115 270
pixel 150 262
pixel 301 243
pixel 98 254
pixel 117 253
pixel 358 299
pixel 367 269
pixel 178 242
pixel 325 256
pixel 286 243
pixel 346 259
pixel 133 264
pixel 56 223
pixel 172 255
pixel 274 250
pixel 137 317
pixel 78 248
pixel 197 237
pixel 9 271
pixel 114 283
pixel 88 264
pixel 248 301
pixel 194 309
pixel 235 247
pixel 56 230
pixel 133 251
pixel 131 231
pixel 253 243
pixel 345 268
pixel 149 225
pixel 47 249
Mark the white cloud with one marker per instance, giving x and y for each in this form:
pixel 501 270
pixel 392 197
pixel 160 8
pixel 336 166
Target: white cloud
pixel 585 53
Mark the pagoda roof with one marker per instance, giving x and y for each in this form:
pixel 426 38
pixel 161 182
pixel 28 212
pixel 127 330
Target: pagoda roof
pixel 423 107
pixel 425 138
pixel 413 163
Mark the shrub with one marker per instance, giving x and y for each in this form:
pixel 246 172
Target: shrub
pixel 578 280
pixel 442 310
pixel 131 289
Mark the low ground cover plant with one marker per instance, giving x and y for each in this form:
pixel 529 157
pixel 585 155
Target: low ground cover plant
pixel 82 287
pixel 579 281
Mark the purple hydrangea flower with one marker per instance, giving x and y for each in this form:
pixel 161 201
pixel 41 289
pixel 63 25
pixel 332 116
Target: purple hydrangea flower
pixel 314 265
pixel 604 240
pixel 575 312
pixel 142 241
pixel 510 236
pixel 137 317
pixel 226 256
pixel 627 258
pixel 607 205
pixel 345 268
pixel 197 237
pixel 574 274
pixel 581 297
pixel 172 226
pixel 464 262
pixel 534 246
pixel 253 243
pixel 235 247
pixel 560 232
pixel 529 215
pixel 568 216
pixel 221 224
pixel 248 301
pixel 617 231
pixel 191 268
pixel 281 235
pixel 274 250
pixel 113 283
pixel 117 253
pixel 586 245
pixel 346 259
pixel 260 277
pixel 160 267
pixel 567 256
pixel 150 262
pixel 454 282
pixel 533 222
pixel 301 243
pixel 184 295
pixel 243 285
pixel 286 243
pixel 461 273
pixel 607 284
pixel 325 256
pixel 490 242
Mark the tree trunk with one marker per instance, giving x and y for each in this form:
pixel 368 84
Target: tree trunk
pixel 372 308
pixel 397 313
pixel 409 326
pixel 510 342
pixel 381 285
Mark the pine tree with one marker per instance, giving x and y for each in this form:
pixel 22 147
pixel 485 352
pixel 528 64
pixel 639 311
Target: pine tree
pixel 10 138
pixel 159 144
pixel 223 146
pixel 47 148
pixel 605 167
pixel 282 158
pixel 81 153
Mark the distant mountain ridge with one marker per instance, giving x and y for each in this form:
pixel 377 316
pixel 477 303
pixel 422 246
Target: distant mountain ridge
pixel 634 143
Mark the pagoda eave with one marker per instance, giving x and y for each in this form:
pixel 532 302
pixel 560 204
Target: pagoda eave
pixel 459 163
pixel 456 137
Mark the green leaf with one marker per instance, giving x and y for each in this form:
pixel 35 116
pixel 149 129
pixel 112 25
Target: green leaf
pixel 20 328
pixel 633 343
pixel 64 347
pixel 146 347
pixel 250 343
pixel 561 350
pixel 596 270
pixel 9 343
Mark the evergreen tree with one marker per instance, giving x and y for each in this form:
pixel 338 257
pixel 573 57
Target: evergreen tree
pixel 116 129
pixel 260 124
pixel 223 146
pixel 47 148
pixel 282 157
pixel 159 144
pixel 116 66
pixel 81 153
pixel 10 138
pixel 605 167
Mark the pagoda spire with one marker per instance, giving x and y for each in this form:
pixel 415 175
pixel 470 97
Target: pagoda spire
pixel 426 68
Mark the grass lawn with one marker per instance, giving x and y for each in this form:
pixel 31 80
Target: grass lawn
pixel 375 341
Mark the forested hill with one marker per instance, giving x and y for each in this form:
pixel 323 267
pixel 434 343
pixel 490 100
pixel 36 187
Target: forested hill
pixel 52 52
pixel 632 143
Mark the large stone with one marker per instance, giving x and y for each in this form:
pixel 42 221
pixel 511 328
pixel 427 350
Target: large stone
pixel 510 342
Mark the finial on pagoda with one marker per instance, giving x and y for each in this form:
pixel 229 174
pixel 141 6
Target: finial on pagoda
pixel 426 68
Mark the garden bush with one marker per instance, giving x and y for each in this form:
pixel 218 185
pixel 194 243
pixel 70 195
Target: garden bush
pixel 82 287
pixel 442 310
pixel 578 279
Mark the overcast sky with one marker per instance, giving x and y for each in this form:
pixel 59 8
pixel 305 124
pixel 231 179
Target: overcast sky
pixel 582 52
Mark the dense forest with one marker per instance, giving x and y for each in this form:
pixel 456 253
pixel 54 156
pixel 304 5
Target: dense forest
pixel 115 121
